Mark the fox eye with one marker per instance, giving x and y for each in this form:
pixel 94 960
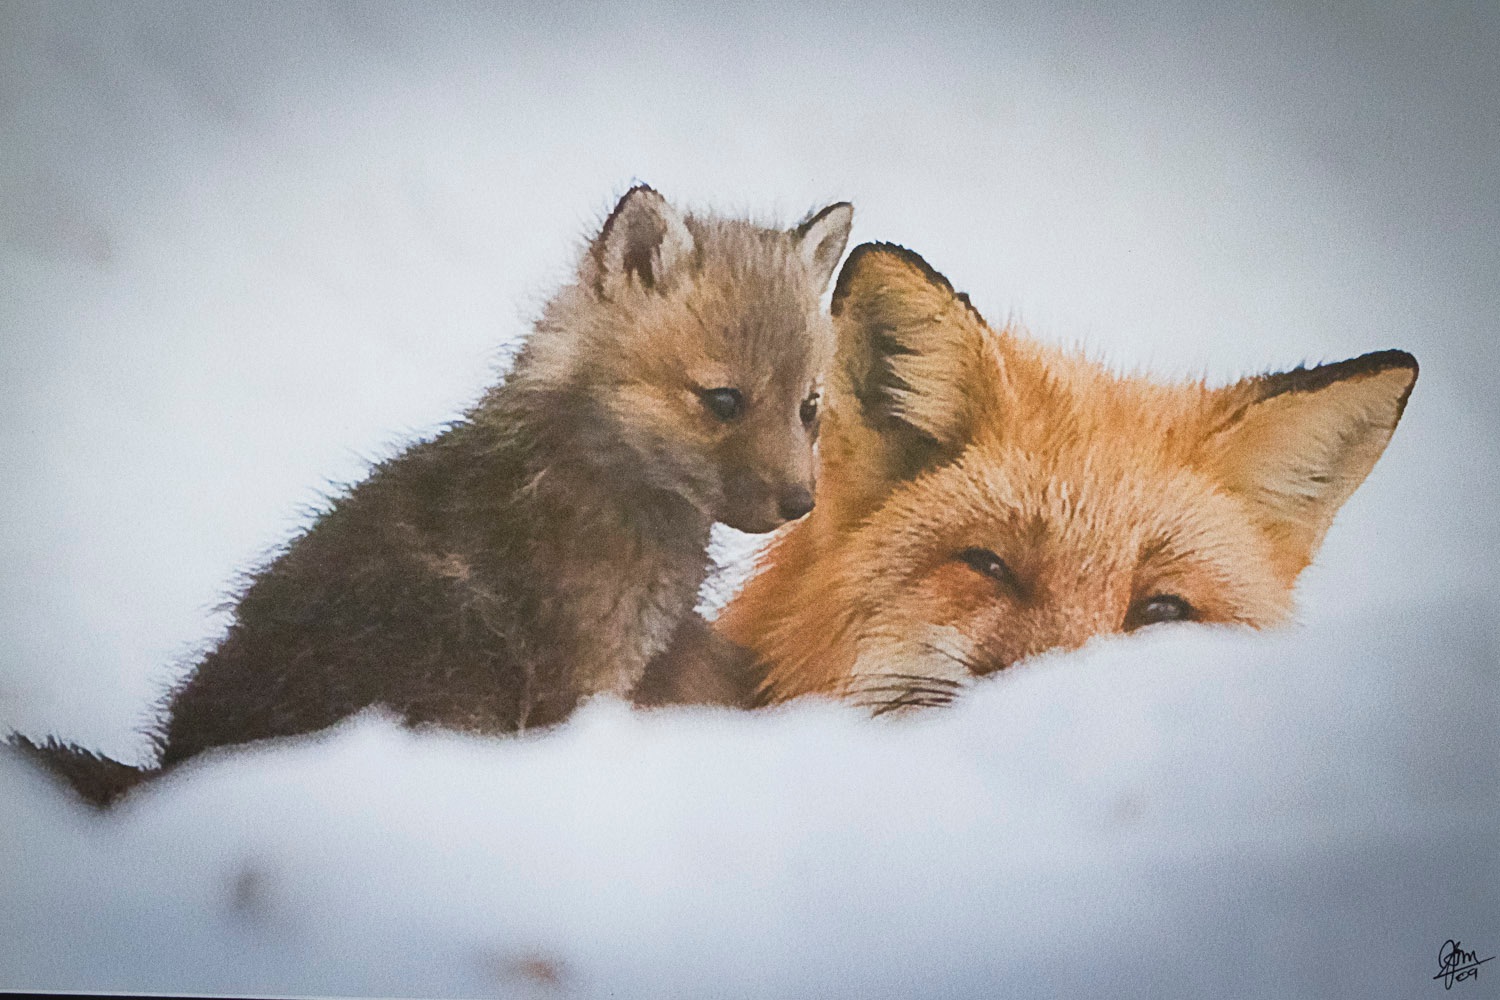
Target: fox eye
pixel 724 403
pixel 809 410
pixel 1158 608
pixel 986 562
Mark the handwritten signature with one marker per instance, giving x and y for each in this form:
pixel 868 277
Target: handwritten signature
pixel 1456 964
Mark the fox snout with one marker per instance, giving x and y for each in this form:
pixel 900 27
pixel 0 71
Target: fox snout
pixel 768 471
pixel 756 505
pixel 795 502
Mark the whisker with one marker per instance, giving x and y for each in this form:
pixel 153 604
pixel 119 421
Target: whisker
pixel 864 679
pixel 889 691
pixel 895 703
pixel 925 678
pixel 967 661
pixel 901 689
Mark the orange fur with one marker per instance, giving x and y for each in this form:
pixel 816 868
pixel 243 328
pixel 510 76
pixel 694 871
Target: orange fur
pixel 984 498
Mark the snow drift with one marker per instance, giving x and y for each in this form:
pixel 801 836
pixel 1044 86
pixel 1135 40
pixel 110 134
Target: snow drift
pixel 1189 812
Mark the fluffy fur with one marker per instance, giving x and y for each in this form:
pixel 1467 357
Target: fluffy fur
pixel 544 548
pixel 985 498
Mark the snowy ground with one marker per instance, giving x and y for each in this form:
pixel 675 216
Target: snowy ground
pixel 1188 814
pixel 243 248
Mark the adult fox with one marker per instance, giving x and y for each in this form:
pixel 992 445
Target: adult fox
pixel 984 498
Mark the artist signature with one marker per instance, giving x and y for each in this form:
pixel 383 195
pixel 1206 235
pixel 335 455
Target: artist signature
pixel 1456 964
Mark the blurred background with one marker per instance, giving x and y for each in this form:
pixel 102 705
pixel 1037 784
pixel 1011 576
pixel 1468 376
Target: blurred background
pixel 247 247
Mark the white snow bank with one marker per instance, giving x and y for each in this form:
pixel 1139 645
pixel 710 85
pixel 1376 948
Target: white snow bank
pixel 1195 812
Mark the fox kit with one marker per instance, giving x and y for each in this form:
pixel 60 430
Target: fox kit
pixel 984 498
pixel 548 545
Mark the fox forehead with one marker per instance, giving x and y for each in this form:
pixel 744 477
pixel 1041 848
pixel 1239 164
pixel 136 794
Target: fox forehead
pixel 763 335
pixel 1084 497
pixel 1047 399
pixel 762 327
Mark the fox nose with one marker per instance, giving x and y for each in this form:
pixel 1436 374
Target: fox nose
pixel 795 502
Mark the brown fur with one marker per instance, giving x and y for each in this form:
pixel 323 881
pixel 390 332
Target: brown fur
pixel 546 547
pixel 95 778
pixel 1101 498
pixel 700 667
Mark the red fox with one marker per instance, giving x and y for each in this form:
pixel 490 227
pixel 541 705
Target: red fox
pixel 984 498
pixel 547 546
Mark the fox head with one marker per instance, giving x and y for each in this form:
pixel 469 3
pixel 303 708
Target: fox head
pixel 985 498
pixel 697 346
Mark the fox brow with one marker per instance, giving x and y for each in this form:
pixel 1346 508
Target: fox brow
pixel 757 303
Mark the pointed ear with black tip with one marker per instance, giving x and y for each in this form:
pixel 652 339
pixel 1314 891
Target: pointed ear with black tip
pixel 644 243
pixel 822 238
pixel 909 347
pixel 1296 445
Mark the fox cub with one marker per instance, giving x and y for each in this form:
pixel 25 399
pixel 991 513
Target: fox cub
pixel 548 545
pixel 984 498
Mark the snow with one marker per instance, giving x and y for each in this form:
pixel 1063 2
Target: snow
pixel 1185 812
pixel 244 248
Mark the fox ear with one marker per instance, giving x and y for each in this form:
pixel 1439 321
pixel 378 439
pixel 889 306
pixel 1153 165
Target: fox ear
pixel 644 241
pixel 908 345
pixel 822 238
pixel 1297 444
